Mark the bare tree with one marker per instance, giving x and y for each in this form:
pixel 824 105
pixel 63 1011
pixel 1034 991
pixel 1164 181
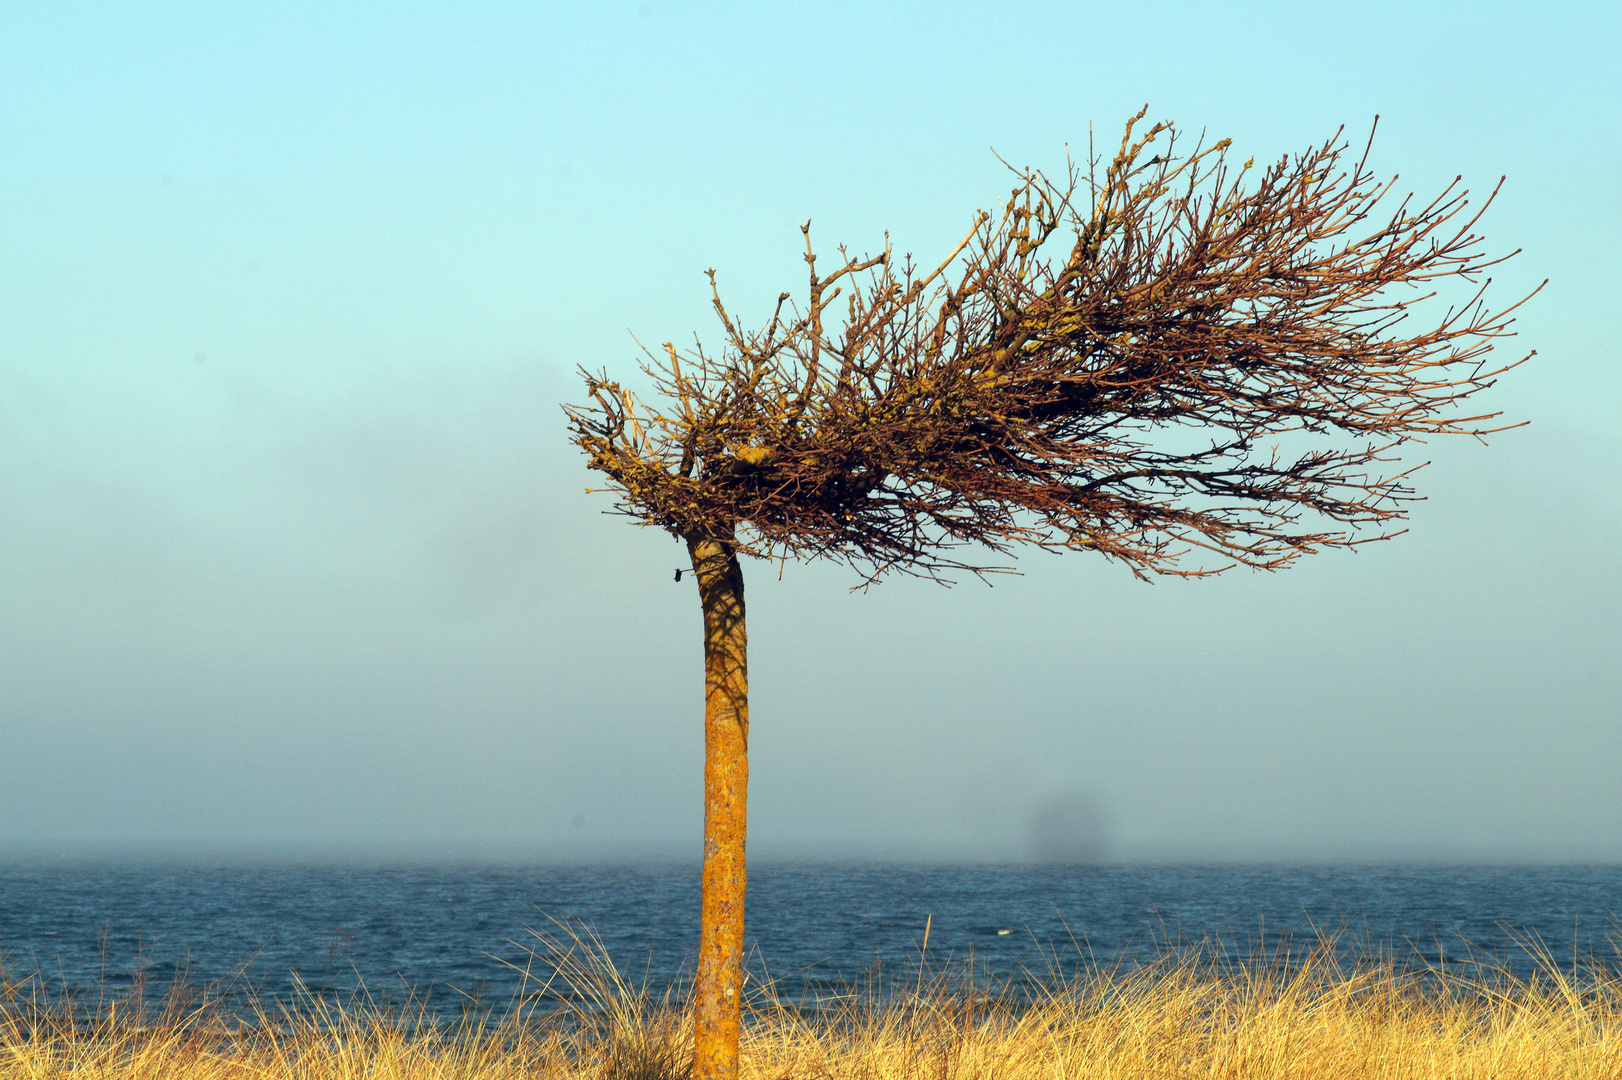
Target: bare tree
pixel 1218 370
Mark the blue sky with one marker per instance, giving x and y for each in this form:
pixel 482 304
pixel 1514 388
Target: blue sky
pixel 297 558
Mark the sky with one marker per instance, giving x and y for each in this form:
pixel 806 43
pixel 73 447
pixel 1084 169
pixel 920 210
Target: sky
pixel 297 560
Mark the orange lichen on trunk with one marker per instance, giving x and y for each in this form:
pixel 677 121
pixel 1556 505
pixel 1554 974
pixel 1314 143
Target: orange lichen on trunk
pixel 719 984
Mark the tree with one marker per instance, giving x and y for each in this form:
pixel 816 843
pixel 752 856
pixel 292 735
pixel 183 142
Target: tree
pixel 1217 371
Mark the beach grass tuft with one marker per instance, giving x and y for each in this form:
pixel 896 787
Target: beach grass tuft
pixel 1190 1014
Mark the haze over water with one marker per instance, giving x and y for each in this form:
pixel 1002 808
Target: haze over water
pixel 297 562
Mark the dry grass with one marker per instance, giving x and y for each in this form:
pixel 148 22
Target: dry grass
pixel 1183 1017
pixel 1189 1018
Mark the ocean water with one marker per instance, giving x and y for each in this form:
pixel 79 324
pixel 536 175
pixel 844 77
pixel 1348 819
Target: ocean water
pixel 455 934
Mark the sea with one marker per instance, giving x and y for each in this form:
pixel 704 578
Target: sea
pixel 448 939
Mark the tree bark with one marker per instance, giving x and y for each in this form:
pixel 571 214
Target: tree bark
pixel 719 986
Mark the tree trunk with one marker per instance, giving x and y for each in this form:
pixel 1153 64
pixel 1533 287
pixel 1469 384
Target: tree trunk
pixel 719 987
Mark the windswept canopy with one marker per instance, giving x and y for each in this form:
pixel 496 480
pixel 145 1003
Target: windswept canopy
pixel 1174 353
